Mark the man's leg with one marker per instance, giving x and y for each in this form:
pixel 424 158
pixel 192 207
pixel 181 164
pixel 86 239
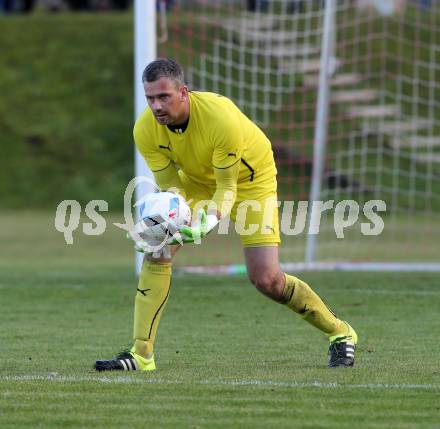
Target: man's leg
pixel 265 274
pixel 150 300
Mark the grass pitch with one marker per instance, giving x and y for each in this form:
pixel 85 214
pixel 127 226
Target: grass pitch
pixel 227 357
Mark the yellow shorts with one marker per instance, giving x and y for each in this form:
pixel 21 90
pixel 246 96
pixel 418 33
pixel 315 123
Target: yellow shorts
pixel 255 211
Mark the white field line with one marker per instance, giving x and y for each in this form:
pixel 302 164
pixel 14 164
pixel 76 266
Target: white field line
pixel 293 384
pixel 387 291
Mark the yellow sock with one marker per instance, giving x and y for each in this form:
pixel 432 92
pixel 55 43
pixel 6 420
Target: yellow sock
pixel 300 298
pixel 151 297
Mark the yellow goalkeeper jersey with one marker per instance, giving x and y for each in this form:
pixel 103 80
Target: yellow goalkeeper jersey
pixel 218 135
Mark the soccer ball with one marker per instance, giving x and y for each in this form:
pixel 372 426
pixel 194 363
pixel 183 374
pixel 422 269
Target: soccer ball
pixel 162 214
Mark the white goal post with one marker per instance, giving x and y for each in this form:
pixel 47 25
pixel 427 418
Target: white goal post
pixel 144 52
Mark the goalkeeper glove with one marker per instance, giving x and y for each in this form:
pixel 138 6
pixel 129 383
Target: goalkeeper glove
pixel 193 234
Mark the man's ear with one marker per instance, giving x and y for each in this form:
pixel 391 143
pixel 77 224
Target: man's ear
pixel 183 92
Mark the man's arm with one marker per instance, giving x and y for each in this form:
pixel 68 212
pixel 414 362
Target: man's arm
pixel 226 188
pixel 223 198
pixel 228 145
pixel 168 179
pixel 162 167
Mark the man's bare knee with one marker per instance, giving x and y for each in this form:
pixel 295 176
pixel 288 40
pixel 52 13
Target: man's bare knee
pixel 268 283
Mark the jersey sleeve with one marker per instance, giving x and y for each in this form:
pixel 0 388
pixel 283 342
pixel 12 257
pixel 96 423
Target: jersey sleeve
pixel 226 188
pixel 168 180
pixel 155 159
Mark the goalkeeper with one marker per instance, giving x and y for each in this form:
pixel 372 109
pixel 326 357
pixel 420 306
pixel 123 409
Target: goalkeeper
pixel 201 144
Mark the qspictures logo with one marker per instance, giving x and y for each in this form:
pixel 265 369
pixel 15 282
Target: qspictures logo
pixel 293 216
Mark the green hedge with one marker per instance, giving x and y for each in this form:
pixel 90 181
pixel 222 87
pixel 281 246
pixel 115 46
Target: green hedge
pixel 66 108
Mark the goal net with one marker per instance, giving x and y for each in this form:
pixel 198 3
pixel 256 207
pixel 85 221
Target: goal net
pixel 379 84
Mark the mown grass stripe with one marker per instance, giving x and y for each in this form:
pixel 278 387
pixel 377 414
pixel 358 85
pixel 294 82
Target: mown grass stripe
pixel 293 384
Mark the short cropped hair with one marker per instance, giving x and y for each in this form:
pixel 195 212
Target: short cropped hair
pixel 164 67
